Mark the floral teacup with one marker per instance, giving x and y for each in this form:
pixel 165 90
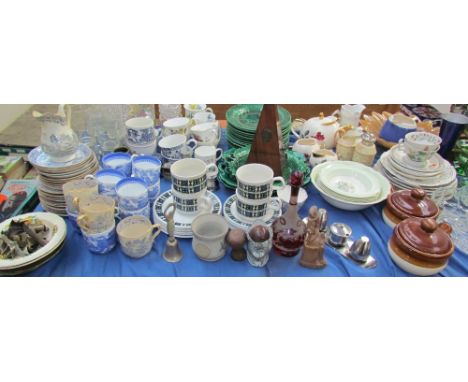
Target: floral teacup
pixel 100 242
pixel 420 146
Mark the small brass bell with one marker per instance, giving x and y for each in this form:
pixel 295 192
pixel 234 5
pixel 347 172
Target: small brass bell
pixel 172 252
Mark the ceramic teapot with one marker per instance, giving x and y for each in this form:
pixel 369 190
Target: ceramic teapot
pixel 322 128
pixel 58 140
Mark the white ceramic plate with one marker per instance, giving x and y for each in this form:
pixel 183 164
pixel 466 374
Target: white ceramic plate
pixel 40 159
pixel 58 232
pixel 350 179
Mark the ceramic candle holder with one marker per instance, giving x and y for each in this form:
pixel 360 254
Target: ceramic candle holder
pixel 132 193
pixel 118 161
pixel 136 235
pixel 209 236
pixel 140 131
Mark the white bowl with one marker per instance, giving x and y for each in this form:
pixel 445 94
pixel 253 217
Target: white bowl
pixel 344 204
pixel 145 150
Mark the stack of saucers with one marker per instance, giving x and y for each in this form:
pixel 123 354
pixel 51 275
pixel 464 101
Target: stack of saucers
pixel 182 222
pixel 242 121
pixel 436 176
pixel 350 186
pixel 52 175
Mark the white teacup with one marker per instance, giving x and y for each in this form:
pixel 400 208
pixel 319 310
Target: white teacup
pixel 203 117
pixel 255 181
pixel 136 235
pixel 205 132
pixel 189 175
pixel 192 109
pixel 171 145
pixel 179 125
pixel 208 154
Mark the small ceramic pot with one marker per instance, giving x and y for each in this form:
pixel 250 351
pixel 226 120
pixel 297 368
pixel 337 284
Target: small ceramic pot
pixel 306 146
pixel 209 236
pixel 255 181
pixel 136 235
pixel 285 194
pixel 203 117
pixel 147 168
pixel 192 109
pixel 205 132
pixel 132 193
pixel 421 246
pixel 321 156
pixel 78 189
pixel 404 204
pixel 180 125
pixel 208 154
pixel 118 161
pixel 421 146
pixel 140 131
pixel 100 242
pixel 148 149
pixel 189 175
pixel 107 179
pixel 396 127
pixel 96 213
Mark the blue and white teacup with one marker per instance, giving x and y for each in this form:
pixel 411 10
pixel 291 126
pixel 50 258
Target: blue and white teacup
pixel 72 217
pixel 147 168
pixel 118 161
pixel 192 109
pixel 153 190
pixel 172 145
pixel 100 242
pixel 107 179
pixel 140 131
pixel 132 193
pixel 145 211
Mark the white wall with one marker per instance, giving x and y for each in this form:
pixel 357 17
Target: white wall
pixel 9 114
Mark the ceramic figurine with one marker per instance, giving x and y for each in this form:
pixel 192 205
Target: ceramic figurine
pixel 58 140
pixel 236 238
pixel 314 245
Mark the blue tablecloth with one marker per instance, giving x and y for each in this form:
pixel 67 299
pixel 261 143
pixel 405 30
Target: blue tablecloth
pixel 76 260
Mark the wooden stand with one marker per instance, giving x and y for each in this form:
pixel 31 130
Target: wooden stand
pixel 267 146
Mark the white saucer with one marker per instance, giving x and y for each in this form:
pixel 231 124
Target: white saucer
pixel 238 221
pixel 183 223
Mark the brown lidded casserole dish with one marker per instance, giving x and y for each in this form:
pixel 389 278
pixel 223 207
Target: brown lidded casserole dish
pixel 408 203
pixel 421 246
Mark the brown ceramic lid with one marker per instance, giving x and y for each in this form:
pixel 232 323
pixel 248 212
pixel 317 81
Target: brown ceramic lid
pixel 423 238
pixel 408 203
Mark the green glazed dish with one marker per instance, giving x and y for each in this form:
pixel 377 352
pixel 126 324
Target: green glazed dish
pixel 234 158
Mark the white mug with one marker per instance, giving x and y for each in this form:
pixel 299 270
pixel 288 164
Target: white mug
pixel 203 117
pixel 255 181
pixel 205 132
pixel 208 154
pixel 189 175
pixel 192 109
pixel 171 145
pixel 179 125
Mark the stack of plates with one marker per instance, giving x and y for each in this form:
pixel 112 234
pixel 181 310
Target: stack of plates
pixel 436 176
pixel 52 175
pixel 232 159
pixel 183 223
pixel 350 186
pixel 57 232
pixel 242 121
pixel 236 220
